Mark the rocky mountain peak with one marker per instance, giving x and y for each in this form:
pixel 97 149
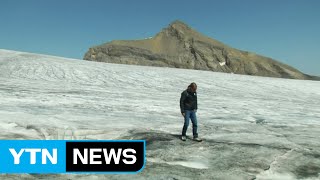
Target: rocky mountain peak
pixel 180 46
pixel 176 29
pixel 179 25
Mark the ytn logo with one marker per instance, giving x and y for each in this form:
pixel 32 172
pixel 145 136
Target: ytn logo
pixel 33 155
pixel 60 156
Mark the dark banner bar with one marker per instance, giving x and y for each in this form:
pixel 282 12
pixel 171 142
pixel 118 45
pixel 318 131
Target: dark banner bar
pixel 113 156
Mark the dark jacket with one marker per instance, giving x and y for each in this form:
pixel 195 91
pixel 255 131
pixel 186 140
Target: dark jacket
pixel 188 101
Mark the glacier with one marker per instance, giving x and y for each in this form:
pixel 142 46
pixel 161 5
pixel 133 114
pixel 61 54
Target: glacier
pixel 253 127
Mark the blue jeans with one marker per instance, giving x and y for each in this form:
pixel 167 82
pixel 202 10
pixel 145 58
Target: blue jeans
pixel 190 115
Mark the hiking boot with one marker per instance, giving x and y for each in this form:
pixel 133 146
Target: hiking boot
pixel 197 139
pixel 183 138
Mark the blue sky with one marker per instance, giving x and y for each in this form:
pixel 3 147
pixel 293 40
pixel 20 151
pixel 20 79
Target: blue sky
pixel 286 30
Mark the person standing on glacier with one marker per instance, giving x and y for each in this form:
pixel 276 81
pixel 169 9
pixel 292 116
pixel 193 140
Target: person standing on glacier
pixel 188 108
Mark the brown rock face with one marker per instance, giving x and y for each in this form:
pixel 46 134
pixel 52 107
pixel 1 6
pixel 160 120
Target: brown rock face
pixel 180 46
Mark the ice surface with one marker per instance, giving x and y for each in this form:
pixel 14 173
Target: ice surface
pixel 254 127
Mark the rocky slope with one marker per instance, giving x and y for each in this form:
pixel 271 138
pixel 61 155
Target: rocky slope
pixel 180 46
